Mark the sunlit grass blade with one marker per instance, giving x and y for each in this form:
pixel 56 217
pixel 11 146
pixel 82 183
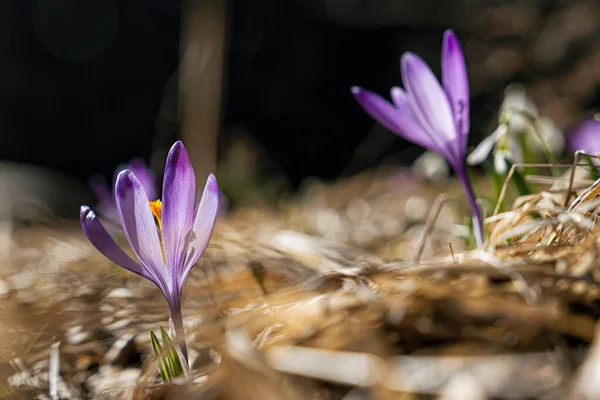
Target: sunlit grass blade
pixel 162 366
pixel 173 361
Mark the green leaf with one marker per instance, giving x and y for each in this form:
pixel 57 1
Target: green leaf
pixel 173 361
pixel 164 371
pixel 471 235
pixel 593 170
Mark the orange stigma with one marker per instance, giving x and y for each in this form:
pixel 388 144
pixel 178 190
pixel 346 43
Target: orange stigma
pixel 156 208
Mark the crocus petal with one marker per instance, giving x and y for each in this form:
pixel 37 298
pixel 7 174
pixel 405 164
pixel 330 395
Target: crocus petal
pixel 456 83
pixel 409 121
pixel 430 104
pixel 400 120
pixel 179 194
pixel 204 223
pixel 120 168
pixel 101 189
pixel 106 201
pixel 99 237
pixel 145 176
pixel 586 136
pixel 139 227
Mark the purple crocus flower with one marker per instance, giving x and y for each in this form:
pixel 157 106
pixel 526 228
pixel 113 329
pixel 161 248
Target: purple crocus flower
pixel 586 136
pixel 106 198
pixel 167 237
pixel 431 115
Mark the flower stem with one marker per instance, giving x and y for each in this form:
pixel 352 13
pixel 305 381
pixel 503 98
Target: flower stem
pixel 461 171
pixel 179 332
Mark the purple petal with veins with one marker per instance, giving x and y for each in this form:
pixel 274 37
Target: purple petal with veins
pixel 166 255
pixel 400 120
pixel 431 116
pixel 179 192
pixel 101 189
pixel 145 176
pixel 586 136
pixel 456 84
pixel 410 122
pixel 204 222
pixel 99 237
pixel 140 228
pixel 429 102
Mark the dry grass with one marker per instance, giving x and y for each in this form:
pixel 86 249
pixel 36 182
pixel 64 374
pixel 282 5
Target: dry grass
pixel 343 312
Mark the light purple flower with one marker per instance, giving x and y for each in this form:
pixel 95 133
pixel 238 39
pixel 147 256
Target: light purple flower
pixel 167 238
pixel 106 198
pixel 431 115
pixel 586 136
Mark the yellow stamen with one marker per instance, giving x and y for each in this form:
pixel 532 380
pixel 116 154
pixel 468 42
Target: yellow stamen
pixel 156 208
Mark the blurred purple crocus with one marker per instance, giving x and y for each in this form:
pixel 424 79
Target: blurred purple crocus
pixel 106 198
pixel 167 237
pixel 586 136
pixel 431 115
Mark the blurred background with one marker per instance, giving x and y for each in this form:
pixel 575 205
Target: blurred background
pixel 257 85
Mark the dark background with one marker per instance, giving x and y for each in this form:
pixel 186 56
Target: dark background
pixel 82 83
